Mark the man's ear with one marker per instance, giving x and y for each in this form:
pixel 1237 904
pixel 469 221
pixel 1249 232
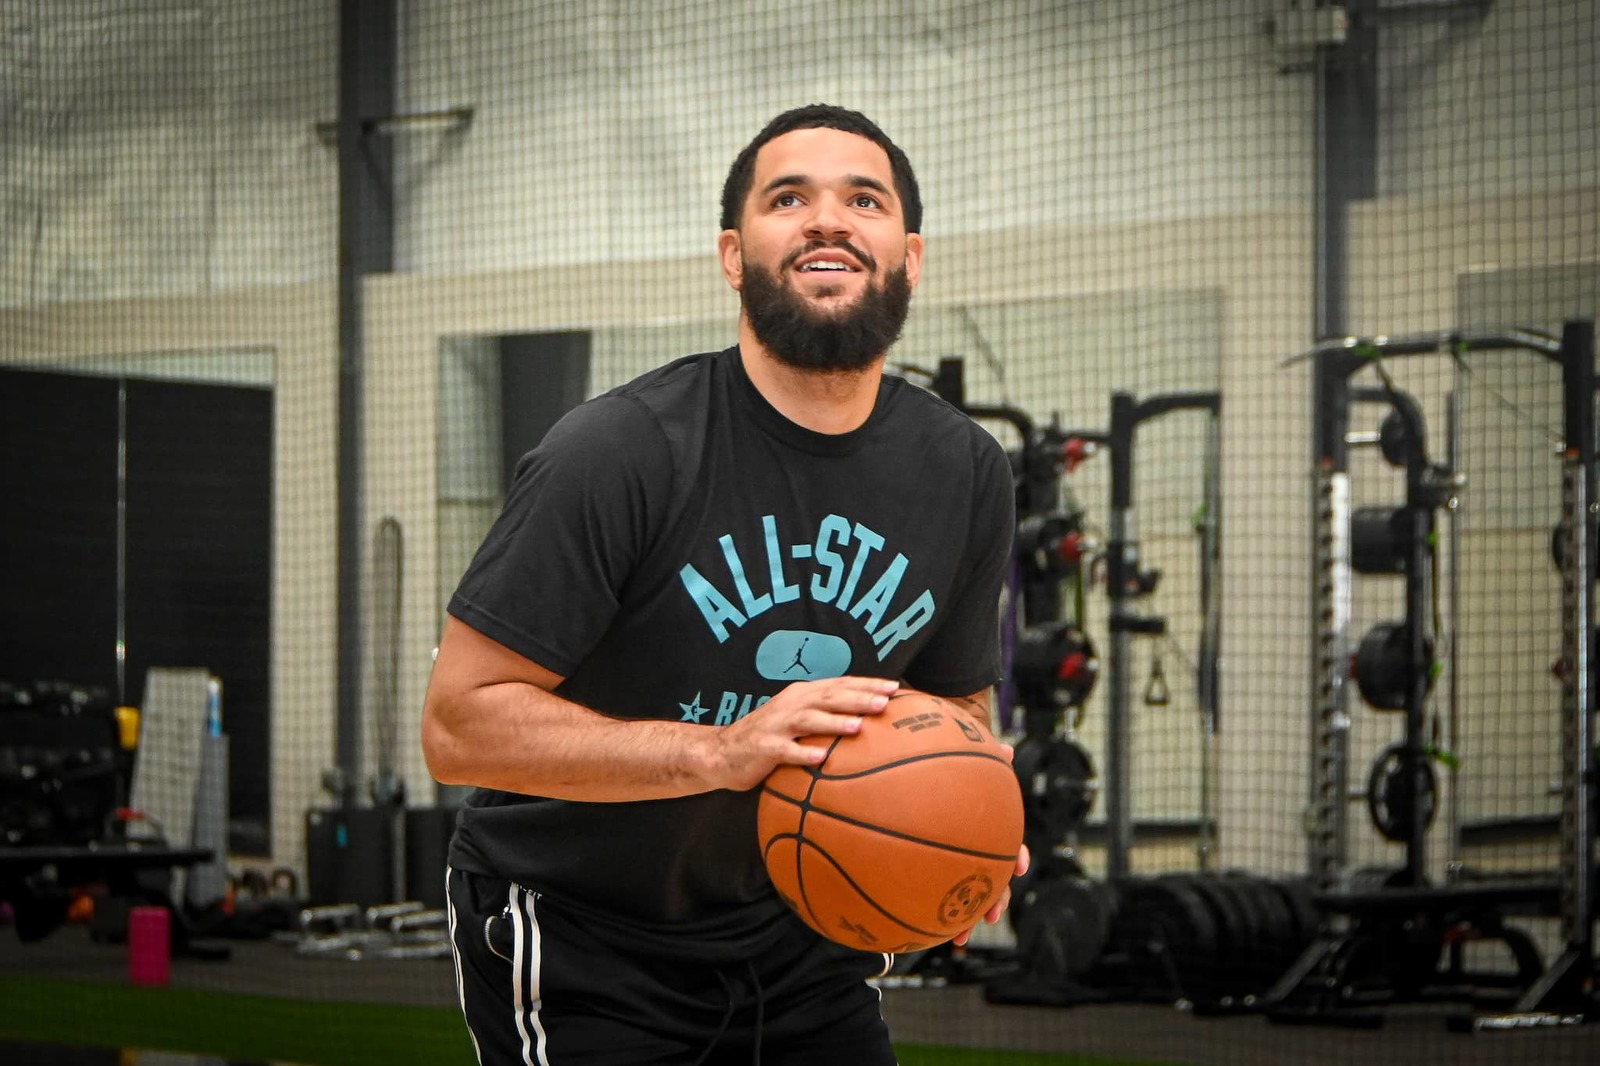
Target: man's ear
pixel 728 251
pixel 913 258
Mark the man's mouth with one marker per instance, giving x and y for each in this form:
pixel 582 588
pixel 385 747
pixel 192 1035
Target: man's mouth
pixel 831 259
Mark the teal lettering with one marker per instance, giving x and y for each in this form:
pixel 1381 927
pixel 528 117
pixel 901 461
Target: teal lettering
pixel 876 601
pixel 717 609
pixel 835 529
pixel 781 593
pixel 753 604
pixel 869 542
pixel 910 620
pixel 731 708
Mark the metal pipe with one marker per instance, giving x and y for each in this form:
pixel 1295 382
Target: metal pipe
pixel 367 78
pixel 1453 693
pixel 1122 552
pixel 1209 667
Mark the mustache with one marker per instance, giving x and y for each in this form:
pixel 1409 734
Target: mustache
pixel 816 246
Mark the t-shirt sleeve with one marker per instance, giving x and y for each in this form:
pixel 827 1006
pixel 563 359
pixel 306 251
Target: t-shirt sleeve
pixel 963 656
pixel 581 510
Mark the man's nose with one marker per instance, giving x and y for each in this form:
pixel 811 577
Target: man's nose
pixel 828 219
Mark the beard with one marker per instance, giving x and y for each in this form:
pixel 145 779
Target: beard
pixel 802 337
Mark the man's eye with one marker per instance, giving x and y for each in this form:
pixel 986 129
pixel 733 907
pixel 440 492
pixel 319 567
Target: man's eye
pixel 785 199
pixel 866 200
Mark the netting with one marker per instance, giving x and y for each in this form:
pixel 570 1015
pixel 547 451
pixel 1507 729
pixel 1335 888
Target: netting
pixel 1178 207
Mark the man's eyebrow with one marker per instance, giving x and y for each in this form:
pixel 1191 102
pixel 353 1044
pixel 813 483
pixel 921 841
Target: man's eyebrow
pixel 854 181
pixel 857 181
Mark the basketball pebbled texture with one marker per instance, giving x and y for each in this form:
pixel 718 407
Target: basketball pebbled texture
pixel 904 837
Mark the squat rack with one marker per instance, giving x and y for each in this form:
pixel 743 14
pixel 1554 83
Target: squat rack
pixel 1560 989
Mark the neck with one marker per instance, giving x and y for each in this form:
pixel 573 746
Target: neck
pixel 823 401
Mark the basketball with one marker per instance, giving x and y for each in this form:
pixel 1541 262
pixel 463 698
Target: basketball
pixel 904 836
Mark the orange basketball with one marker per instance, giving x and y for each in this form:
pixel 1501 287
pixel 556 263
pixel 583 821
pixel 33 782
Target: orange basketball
pixel 905 836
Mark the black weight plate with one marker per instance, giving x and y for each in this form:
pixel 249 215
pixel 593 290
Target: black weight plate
pixel 1273 951
pixel 1046 868
pixel 1129 940
pixel 1096 926
pixel 1110 898
pixel 1256 959
pixel 1236 934
pixel 1057 778
pixel 1298 894
pixel 1064 931
pixel 1180 929
pixel 1132 937
pixel 1023 891
pixel 1389 800
pixel 1282 938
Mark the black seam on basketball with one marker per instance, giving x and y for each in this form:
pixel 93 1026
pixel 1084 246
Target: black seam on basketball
pixel 799 886
pixel 805 808
pixel 876 828
pixel 775 794
pixel 860 892
pixel 822 771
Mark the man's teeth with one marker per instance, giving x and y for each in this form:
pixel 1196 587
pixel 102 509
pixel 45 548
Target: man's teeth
pixel 825 266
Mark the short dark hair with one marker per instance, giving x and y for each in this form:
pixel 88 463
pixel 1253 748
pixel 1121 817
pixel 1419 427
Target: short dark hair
pixel 820 116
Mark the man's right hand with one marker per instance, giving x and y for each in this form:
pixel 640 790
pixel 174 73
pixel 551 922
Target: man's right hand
pixel 740 755
pixel 492 719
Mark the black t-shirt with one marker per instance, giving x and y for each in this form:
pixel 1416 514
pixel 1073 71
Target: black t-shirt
pixel 677 549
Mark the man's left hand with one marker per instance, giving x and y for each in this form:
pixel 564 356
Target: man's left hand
pixel 995 912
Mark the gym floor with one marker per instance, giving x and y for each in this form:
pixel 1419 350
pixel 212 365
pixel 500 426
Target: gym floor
pixel 952 1015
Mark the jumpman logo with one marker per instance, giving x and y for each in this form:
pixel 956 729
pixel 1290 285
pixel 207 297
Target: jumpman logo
pixel 798 661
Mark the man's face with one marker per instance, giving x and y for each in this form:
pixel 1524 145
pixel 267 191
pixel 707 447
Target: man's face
pixel 821 259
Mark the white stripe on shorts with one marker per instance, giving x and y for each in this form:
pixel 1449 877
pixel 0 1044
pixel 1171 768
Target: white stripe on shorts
pixel 455 956
pixel 525 962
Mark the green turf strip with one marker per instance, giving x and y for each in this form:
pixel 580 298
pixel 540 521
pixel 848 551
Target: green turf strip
pixel 224 1025
pixel 310 1032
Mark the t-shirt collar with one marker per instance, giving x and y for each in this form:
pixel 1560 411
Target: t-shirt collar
pixel 778 425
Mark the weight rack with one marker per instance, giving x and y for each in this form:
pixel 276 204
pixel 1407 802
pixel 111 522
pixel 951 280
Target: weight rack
pixel 1391 936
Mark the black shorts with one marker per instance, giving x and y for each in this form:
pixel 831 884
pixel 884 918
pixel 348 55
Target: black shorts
pixel 541 986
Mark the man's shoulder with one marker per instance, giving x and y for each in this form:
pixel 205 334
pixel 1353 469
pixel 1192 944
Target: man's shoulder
pixel 942 421
pixel 645 405
pixel 682 380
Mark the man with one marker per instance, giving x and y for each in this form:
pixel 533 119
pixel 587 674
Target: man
pixel 692 572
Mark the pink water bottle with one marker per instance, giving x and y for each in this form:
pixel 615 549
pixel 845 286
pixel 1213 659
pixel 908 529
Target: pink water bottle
pixel 149 945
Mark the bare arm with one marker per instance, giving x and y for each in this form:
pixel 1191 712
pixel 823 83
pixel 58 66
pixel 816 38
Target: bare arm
pixel 492 719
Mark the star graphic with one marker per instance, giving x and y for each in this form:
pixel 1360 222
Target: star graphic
pixel 693 711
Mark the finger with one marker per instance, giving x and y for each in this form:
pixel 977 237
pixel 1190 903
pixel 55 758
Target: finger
pixel 859 695
pixel 999 908
pixel 885 685
pixel 1024 860
pixel 840 695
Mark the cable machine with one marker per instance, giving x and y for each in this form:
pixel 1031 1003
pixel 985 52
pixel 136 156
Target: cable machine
pixel 1050 668
pixel 1126 582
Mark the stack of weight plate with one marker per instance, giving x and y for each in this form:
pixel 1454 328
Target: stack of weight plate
pixel 1214 942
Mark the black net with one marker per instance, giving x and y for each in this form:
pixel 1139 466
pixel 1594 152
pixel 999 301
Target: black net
pixel 1297 629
